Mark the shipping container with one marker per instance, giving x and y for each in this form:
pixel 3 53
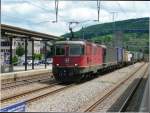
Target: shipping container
pixel 135 56
pixel 110 56
pixel 140 55
pixel 119 54
pixel 146 57
pixel 127 56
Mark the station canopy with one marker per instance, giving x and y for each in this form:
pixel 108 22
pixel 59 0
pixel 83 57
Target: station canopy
pixel 11 31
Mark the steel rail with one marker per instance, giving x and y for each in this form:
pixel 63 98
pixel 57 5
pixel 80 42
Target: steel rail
pixel 90 108
pixel 22 82
pixel 26 93
pixel 22 78
pixel 49 93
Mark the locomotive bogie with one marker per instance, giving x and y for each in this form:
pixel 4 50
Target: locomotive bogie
pixel 66 74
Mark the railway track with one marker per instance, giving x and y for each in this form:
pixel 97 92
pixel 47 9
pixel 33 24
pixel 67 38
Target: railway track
pixel 17 79
pixel 36 94
pixel 125 105
pixel 30 80
pixel 27 92
pixel 49 93
pixel 94 105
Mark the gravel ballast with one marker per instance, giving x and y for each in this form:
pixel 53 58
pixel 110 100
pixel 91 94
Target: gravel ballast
pixel 72 99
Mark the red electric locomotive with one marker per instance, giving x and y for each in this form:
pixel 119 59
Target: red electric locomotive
pixel 74 60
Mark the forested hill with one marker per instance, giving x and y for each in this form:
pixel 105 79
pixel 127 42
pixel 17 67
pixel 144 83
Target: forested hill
pixel 140 25
pixel 135 33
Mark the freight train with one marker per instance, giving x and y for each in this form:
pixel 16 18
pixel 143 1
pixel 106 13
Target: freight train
pixel 75 60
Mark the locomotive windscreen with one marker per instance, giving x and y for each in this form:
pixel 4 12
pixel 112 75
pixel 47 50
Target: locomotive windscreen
pixel 76 50
pixel 60 50
pixel 71 50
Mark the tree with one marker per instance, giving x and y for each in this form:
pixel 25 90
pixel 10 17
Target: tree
pixel 20 51
pixel 38 56
pixel 15 60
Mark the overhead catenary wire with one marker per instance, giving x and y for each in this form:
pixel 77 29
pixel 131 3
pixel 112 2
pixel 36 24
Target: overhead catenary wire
pixel 134 4
pixel 27 21
pixel 56 12
pixel 38 6
pixel 122 8
pixel 99 4
pixel 48 10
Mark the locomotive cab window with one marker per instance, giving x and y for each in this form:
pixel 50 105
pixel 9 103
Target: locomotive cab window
pixel 76 50
pixel 59 50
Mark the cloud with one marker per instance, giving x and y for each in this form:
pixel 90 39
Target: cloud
pixel 38 15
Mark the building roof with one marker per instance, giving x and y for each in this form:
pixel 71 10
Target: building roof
pixel 14 31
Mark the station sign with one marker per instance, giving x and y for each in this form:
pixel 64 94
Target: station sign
pixel 18 107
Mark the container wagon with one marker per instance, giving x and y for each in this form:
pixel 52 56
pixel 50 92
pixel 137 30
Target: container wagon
pixel 110 58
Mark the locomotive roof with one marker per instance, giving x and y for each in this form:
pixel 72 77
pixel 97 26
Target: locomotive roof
pixel 70 42
pixel 104 46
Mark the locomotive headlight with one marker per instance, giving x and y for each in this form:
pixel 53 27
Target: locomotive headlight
pixel 57 64
pixel 76 64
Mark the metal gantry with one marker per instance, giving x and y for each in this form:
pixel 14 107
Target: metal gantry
pixel 56 9
pixel 98 8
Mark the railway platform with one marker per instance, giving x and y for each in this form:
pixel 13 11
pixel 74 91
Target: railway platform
pixel 13 76
pixel 144 107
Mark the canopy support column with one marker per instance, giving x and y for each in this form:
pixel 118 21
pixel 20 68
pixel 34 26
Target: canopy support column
pixel 11 55
pixel 45 50
pixel 26 54
pixel 33 54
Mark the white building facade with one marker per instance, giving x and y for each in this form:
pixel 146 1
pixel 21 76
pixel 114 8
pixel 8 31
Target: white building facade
pixel 5 48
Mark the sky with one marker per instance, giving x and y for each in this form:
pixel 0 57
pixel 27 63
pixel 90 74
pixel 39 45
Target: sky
pixel 37 15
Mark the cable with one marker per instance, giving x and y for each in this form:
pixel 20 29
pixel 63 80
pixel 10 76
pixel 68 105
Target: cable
pixel 29 2
pixel 122 9
pixel 44 9
pixel 28 21
pixel 133 2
